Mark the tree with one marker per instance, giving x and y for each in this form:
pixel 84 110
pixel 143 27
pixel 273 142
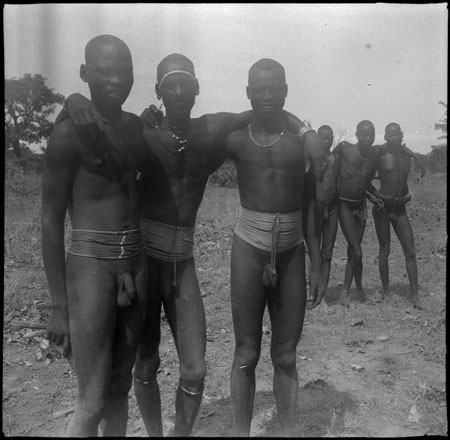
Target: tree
pixel 28 103
pixel 438 155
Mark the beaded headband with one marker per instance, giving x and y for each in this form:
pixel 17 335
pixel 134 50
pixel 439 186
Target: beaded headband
pixel 185 72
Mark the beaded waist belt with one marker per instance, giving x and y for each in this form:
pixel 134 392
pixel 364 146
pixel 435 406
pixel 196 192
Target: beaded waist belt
pixel 167 242
pixel 263 229
pixel 106 244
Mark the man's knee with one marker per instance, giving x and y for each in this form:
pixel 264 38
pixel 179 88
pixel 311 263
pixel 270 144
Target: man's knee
pixel 146 369
pixel 91 405
pixel 283 359
pixel 246 360
pixel 410 254
pixel 194 373
pixel 192 379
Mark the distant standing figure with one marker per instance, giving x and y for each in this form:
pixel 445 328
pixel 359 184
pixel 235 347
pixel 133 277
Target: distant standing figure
pixel 326 212
pixel 393 167
pixel 356 170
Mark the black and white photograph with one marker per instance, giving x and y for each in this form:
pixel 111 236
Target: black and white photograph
pixel 225 220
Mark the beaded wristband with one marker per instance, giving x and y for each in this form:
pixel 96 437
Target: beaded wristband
pixel 303 130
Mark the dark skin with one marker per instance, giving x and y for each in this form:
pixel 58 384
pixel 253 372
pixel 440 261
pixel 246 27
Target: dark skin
pixel 393 168
pixel 270 180
pixel 173 188
pixel 89 191
pixel 356 170
pixel 326 213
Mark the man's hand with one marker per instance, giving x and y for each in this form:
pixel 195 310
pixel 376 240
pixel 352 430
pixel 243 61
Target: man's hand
pixel 152 116
pixel 324 212
pixel 88 122
pixel 316 299
pixel 58 328
pixel 375 200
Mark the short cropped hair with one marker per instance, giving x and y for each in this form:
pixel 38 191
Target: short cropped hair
pixel 363 123
pixel 392 124
pixel 266 64
pixel 325 128
pixel 92 47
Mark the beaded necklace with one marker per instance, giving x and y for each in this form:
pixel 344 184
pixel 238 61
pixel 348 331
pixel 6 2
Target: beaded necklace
pixel 265 145
pixel 178 136
pixel 357 152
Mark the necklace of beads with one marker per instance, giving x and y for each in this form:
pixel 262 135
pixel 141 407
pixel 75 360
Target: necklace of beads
pixel 175 135
pixel 357 152
pixel 264 145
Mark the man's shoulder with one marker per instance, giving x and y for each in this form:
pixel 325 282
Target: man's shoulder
pixel 342 146
pixel 133 120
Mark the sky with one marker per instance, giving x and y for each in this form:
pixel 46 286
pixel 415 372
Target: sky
pixel 344 62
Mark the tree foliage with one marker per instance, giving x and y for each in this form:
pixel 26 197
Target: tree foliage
pixel 28 103
pixel 438 155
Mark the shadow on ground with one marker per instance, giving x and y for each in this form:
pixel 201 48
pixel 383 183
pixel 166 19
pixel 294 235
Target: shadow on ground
pixel 321 410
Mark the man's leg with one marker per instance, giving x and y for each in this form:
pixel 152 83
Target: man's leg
pixel 328 239
pixel 353 231
pixel 402 228
pixel 287 310
pixel 186 316
pixel 129 328
pixel 248 302
pixel 92 301
pixel 383 230
pixel 147 360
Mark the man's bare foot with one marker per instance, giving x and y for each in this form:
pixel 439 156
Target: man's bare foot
pixel 416 303
pixel 361 296
pixel 344 299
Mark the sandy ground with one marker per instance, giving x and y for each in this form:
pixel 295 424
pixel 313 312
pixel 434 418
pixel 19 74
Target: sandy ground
pixel 374 369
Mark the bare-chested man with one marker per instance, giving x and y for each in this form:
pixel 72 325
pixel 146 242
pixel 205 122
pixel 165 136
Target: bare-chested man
pixel 268 253
pixel 393 167
pixel 356 163
pixel 185 152
pixel 326 213
pixel 99 292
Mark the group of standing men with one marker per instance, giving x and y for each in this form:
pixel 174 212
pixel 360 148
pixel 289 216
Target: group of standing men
pixel 132 191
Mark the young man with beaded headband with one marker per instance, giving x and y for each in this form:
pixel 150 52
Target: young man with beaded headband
pixel 185 151
pixel 98 292
pixel 268 253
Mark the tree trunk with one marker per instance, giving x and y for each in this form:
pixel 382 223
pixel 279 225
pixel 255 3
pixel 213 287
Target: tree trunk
pixel 16 148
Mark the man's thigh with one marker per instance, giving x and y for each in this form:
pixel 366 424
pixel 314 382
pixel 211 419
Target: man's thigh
pixel 330 231
pixel 248 296
pixel 351 228
pixel 382 225
pixel 92 300
pixel 403 229
pixel 287 302
pixel 186 314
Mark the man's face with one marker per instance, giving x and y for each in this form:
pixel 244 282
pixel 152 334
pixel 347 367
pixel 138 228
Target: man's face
pixel 267 91
pixel 366 135
pixel 326 139
pixel 110 75
pixel 178 92
pixel 393 135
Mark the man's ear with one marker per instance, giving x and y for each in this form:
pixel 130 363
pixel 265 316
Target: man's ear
pixel 197 87
pixel 248 92
pixel 286 90
pixel 83 73
pixel 385 138
pixel 157 91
